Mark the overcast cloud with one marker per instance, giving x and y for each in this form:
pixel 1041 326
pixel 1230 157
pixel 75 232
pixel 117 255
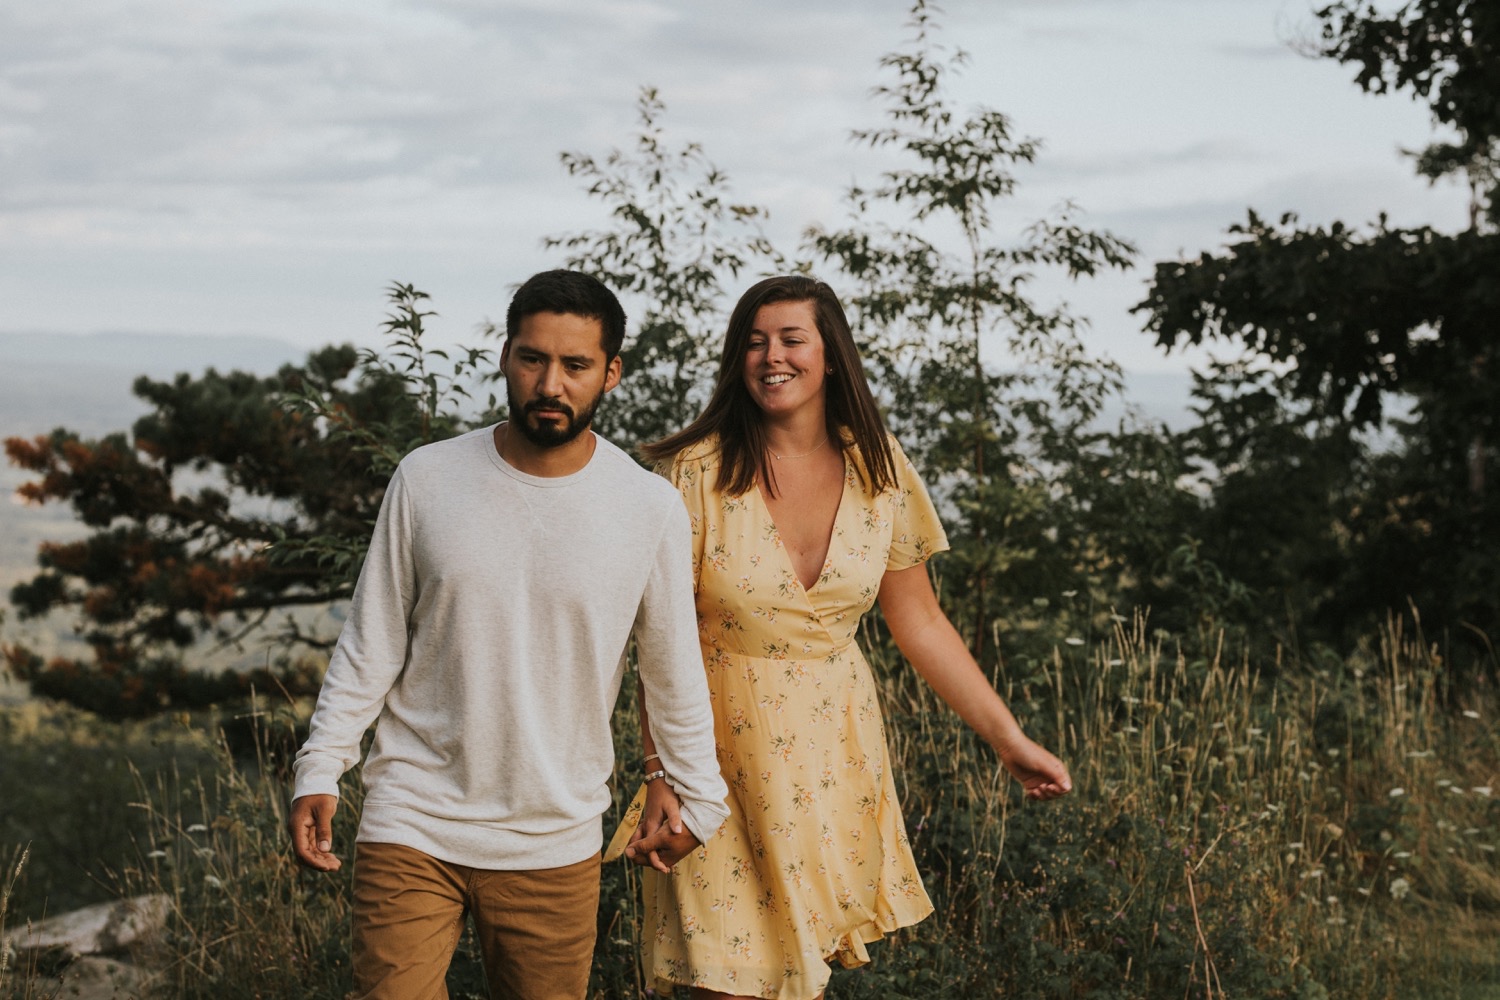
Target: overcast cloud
pixel 266 167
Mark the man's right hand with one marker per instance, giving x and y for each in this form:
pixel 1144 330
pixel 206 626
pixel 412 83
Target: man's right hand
pixel 311 826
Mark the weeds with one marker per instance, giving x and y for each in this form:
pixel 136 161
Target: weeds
pixel 1234 833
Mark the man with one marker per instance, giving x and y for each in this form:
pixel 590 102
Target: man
pixel 508 570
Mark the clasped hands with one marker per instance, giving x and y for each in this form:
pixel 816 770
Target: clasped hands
pixel 660 839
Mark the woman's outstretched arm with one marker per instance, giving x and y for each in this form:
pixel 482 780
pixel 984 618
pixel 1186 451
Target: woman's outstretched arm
pixel 933 646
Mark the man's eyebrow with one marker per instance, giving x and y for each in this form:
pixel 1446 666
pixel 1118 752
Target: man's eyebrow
pixel 535 352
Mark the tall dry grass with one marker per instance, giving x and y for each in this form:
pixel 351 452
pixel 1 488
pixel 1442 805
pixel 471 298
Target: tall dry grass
pixel 1238 830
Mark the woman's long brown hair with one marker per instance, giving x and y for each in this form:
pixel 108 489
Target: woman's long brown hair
pixel 850 409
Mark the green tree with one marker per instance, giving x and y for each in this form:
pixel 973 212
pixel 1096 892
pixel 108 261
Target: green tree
pixel 235 498
pixel 992 393
pixel 1366 332
pixel 675 239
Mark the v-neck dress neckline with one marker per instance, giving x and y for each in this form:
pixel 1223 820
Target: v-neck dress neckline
pixel 833 533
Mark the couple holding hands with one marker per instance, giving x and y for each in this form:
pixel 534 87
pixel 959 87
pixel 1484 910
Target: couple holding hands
pixel 486 641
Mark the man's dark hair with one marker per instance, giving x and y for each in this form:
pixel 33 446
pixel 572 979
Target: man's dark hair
pixel 574 293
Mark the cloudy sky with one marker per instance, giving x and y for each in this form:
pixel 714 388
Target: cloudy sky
pixel 268 166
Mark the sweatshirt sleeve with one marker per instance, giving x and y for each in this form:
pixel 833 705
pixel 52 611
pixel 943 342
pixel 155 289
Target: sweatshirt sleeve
pixel 370 653
pixel 676 687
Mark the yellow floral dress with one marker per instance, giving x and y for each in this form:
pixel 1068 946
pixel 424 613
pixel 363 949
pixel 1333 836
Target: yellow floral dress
pixel 813 861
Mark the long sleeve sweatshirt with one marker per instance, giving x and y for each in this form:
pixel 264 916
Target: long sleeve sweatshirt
pixel 486 639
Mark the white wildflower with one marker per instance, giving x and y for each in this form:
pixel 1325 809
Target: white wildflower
pixel 1073 640
pixel 1400 888
pixel 197 828
pixel 1396 793
pixel 1469 713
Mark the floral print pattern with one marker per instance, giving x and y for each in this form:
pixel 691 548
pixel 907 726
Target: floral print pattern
pixel 813 861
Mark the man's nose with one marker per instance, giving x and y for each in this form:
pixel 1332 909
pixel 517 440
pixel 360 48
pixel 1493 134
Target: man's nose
pixel 552 381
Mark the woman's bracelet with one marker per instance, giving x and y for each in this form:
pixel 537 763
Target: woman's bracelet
pixel 650 757
pixel 653 775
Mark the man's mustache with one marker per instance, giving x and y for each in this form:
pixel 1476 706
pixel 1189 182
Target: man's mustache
pixel 555 405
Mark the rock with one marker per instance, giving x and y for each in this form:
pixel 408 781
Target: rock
pixel 103 927
pixel 93 978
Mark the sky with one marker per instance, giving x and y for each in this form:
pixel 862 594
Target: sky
pixel 268 167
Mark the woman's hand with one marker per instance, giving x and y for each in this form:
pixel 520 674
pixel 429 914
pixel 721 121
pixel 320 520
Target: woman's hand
pixel 928 640
pixel 660 840
pixel 1042 774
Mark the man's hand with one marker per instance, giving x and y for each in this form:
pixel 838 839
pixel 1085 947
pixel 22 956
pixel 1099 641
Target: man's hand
pixel 311 827
pixel 661 840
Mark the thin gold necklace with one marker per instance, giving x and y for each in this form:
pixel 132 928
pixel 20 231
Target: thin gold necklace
pixel 788 458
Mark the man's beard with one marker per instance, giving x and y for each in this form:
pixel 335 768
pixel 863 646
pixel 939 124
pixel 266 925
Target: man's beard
pixel 549 433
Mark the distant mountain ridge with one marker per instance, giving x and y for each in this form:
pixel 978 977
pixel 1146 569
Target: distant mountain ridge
pixel 82 381
pixel 151 353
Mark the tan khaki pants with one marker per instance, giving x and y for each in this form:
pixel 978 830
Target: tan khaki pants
pixel 535 928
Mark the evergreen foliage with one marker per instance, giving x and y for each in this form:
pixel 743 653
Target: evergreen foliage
pixel 1347 455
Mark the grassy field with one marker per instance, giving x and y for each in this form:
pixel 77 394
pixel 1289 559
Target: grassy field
pixel 1236 832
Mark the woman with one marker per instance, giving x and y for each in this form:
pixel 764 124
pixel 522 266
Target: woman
pixel 804 512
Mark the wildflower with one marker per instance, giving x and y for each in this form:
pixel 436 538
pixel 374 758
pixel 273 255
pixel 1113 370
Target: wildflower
pixel 156 854
pixel 1469 713
pixel 1400 888
pixel 1333 830
pixel 1115 663
pixel 1295 845
pixel 1420 754
pixel 1487 847
pixel 204 852
pixel 1070 593
pixel 197 828
pixel 1396 793
pixel 1484 790
pixel 1402 855
pixel 213 881
pixel 1073 640
pixel 1313 873
pixel 1362 891
pixel 1471 831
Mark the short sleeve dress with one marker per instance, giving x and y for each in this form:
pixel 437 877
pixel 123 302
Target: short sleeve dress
pixel 813 861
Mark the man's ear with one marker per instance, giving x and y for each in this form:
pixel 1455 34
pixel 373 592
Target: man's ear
pixel 504 356
pixel 612 375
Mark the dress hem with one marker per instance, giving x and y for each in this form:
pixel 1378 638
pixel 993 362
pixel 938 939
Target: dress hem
pixel 848 949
